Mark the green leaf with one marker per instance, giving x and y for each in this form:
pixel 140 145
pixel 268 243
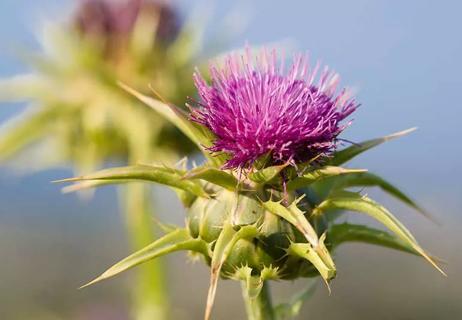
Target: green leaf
pixel 294 216
pixel 213 175
pixel 176 116
pixel 345 232
pixel 223 246
pixel 355 202
pixel 162 175
pixel 304 250
pixel 366 179
pixel 23 87
pixel 314 251
pixel 345 155
pixel 174 241
pixel 265 175
pixel 291 309
pixel 90 184
pixel 200 135
pixel 317 175
pixel 24 130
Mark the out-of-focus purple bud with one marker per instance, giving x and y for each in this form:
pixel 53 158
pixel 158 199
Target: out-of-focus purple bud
pixel 115 20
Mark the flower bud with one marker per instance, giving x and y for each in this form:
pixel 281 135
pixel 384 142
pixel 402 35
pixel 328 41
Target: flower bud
pixel 268 249
pixel 113 23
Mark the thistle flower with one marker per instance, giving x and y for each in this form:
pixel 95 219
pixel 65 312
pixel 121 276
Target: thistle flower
pixel 240 225
pixel 114 21
pixel 254 109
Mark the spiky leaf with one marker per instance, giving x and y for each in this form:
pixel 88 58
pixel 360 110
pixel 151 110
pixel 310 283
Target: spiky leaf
pixel 304 250
pixel 158 174
pixel 174 241
pixel 213 175
pixel 345 155
pixel 355 202
pixel 198 134
pixel 346 232
pixel 317 175
pixel 367 179
pixel 174 115
pixel 294 216
pixel 90 184
pixel 314 251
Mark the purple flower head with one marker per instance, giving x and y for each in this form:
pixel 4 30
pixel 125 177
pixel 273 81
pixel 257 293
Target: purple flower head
pixel 255 108
pixel 116 18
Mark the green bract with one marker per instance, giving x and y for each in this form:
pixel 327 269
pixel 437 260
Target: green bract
pixel 248 227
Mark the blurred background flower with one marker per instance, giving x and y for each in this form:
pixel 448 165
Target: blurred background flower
pixel 76 104
pixel 79 117
pixel 403 81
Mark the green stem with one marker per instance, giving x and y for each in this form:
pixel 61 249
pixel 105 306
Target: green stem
pixel 260 307
pixel 150 293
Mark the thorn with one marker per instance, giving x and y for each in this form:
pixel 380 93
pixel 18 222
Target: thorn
pixel 328 287
pixel 403 132
pixel 68 180
pixel 433 263
pixel 89 283
pixel 297 201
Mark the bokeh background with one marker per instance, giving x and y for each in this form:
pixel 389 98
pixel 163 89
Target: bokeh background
pixel 403 59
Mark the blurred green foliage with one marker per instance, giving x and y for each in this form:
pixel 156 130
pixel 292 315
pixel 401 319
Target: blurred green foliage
pixel 78 115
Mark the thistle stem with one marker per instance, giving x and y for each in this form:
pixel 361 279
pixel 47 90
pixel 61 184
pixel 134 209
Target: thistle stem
pixel 150 299
pixel 260 307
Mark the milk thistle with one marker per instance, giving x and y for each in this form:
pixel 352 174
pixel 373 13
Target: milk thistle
pixel 266 202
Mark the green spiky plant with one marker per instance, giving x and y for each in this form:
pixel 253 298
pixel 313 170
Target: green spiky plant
pixel 265 221
pixel 79 117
